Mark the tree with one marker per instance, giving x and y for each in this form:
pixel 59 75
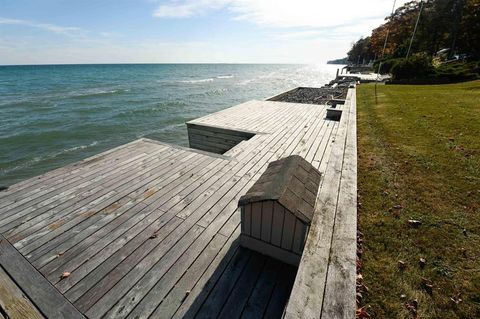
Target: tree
pixel 400 26
pixel 361 52
pixel 469 30
pixel 453 24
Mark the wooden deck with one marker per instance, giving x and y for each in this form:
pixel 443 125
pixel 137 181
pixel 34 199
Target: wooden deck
pixel 150 230
pixel 25 293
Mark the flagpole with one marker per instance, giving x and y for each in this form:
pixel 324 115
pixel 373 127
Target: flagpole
pixel 415 29
pixel 383 51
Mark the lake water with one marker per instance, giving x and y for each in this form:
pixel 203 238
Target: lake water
pixel 51 116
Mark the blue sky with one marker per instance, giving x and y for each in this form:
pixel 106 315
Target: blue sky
pixel 183 31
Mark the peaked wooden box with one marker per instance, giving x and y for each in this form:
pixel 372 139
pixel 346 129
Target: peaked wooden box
pixel 277 211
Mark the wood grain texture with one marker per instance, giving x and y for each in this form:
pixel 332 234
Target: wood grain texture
pixel 12 300
pixel 339 301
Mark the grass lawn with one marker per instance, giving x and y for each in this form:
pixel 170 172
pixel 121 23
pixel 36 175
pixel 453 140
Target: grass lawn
pixel 419 159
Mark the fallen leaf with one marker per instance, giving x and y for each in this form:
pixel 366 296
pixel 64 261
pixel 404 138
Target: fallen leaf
pixel 429 288
pixel 415 303
pixel 359 297
pixel 64 275
pixel 427 285
pixel 359 252
pixel 414 223
pixel 362 313
pixel 422 262
pixel 402 265
pixel 456 299
pixel 412 307
pixel 187 292
pixel 359 264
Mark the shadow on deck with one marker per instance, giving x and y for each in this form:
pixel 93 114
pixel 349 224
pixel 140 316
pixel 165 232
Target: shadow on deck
pixel 246 284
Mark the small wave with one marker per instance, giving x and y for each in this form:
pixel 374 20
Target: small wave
pixel 81 147
pixel 245 82
pixel 229 76
pixel 213 92
pixel 197 81
pixel 93 93
pixel 25 165
pixel 47 157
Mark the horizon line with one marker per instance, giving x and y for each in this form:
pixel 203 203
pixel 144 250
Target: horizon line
pixel 162 63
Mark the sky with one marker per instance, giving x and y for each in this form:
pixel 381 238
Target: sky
pixel 184 31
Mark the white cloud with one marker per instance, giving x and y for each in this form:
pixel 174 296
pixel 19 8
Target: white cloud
pixel 188 8
pixel 312 24
pixel 307 30
pixel 286 14
pixel 44 26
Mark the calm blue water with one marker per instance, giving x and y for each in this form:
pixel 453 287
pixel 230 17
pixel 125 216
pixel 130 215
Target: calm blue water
pixel 54 115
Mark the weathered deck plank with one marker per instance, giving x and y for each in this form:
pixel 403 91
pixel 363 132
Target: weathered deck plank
pixel 12 300
pixel 311 281
pixel 340 286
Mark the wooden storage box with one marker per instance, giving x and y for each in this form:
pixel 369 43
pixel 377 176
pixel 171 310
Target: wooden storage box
pixel 277 211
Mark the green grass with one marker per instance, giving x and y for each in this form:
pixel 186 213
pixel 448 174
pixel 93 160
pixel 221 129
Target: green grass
pixel 419 147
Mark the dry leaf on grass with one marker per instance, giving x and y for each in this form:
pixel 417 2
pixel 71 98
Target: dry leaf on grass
pixel 414 223
pixel 412 307
pixel 427 285
pixel 422 262
pixel 456 299
pixel 362 313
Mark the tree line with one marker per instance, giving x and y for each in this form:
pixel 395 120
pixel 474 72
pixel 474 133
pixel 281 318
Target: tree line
pixel 444 24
